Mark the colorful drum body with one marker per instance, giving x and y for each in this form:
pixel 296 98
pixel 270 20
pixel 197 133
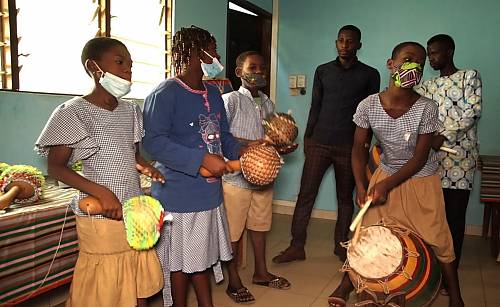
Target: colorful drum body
pixel 391 266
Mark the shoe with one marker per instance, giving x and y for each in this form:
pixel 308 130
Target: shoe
pixel 290 254
pixel 241 296
pixel 277 282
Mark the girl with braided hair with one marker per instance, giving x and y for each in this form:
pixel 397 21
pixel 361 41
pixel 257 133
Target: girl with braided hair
pixel 186 128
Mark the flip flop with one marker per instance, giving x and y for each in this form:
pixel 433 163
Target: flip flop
pixel 277 282
pixel 334 301
pixel 241 296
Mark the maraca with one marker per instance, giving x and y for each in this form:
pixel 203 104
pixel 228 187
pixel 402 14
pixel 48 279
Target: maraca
pixel 143 217
pixel 20 184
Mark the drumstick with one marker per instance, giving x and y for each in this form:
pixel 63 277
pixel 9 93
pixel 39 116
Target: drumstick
pixel 234 165
pixel 448 150
pixel 359 217
pixel 356 234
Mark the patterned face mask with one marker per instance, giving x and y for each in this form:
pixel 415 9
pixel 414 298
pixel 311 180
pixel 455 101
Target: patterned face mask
pixel 255 80
pixel 407 75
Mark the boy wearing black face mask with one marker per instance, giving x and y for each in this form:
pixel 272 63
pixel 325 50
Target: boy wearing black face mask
pixel 249 206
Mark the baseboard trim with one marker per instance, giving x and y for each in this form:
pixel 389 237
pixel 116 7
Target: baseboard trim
pixel 287 207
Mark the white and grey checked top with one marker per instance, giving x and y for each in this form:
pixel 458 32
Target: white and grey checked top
pixel 104 140
pixel 245 117
pixel 398 136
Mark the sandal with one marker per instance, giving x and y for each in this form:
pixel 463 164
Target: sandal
pixel 241 296
pixel 334 301
pixel 277 282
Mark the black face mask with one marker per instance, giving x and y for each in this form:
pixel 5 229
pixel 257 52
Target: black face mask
pixel 255 80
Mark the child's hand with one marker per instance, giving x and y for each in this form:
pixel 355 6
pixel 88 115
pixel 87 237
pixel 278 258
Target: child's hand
pixel 215 164
pixel 361 196
pixel 111 206
pixel 287 149
pixel 379 193
pixel 151 171
pixel 437 141
pixel 228 169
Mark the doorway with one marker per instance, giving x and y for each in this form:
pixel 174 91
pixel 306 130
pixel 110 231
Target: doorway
pixel 247 29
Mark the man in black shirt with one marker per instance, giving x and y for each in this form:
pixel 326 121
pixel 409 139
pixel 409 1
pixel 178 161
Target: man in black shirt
pixel 338 88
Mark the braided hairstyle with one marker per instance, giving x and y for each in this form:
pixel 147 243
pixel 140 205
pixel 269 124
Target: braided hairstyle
pixel 185 41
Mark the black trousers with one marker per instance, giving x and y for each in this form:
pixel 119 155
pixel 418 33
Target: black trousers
pixel 318 158
pixel 456 202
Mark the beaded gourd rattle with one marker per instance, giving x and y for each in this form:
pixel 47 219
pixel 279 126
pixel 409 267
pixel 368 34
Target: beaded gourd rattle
pixel 260 165
pixel 143 217
pixel 2 167
pixel 20 184
pixel 281 131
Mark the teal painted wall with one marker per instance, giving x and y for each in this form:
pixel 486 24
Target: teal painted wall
pixel 306 39
pixel 210 15
pixel 264 4
pixel 22 118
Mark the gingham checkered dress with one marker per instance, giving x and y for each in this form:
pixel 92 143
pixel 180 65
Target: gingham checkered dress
pixel 398 136
pixel 194 242
pixel 104 140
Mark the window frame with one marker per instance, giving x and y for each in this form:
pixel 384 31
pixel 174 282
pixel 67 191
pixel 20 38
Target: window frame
pixel 9 52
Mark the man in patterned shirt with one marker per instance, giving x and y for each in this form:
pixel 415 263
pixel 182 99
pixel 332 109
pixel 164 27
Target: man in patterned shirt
pixel 458 95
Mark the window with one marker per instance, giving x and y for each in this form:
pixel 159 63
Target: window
pixel 145 40
pixel 51 36
pixel 44 55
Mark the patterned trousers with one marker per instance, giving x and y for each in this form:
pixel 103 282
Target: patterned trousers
pixel 318 158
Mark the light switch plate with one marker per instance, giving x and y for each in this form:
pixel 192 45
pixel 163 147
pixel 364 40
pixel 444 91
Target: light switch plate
pixel 301 81
pixel 292 81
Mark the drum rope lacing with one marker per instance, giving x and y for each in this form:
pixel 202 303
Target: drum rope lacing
pixel 374 300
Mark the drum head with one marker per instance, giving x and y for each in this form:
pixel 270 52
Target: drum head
pixel 377 254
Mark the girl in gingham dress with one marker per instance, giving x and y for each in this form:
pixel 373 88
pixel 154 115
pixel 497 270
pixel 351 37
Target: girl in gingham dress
pixel 405 189
pixel 103 131
pixel 186 128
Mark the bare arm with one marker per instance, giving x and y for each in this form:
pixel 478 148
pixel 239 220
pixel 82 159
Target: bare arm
pixel 359 161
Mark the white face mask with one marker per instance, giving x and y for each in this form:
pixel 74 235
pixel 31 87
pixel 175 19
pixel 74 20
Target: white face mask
pixel 213 69
pixel 114 85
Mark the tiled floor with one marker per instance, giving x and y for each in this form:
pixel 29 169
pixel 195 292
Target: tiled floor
pixel 316 277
